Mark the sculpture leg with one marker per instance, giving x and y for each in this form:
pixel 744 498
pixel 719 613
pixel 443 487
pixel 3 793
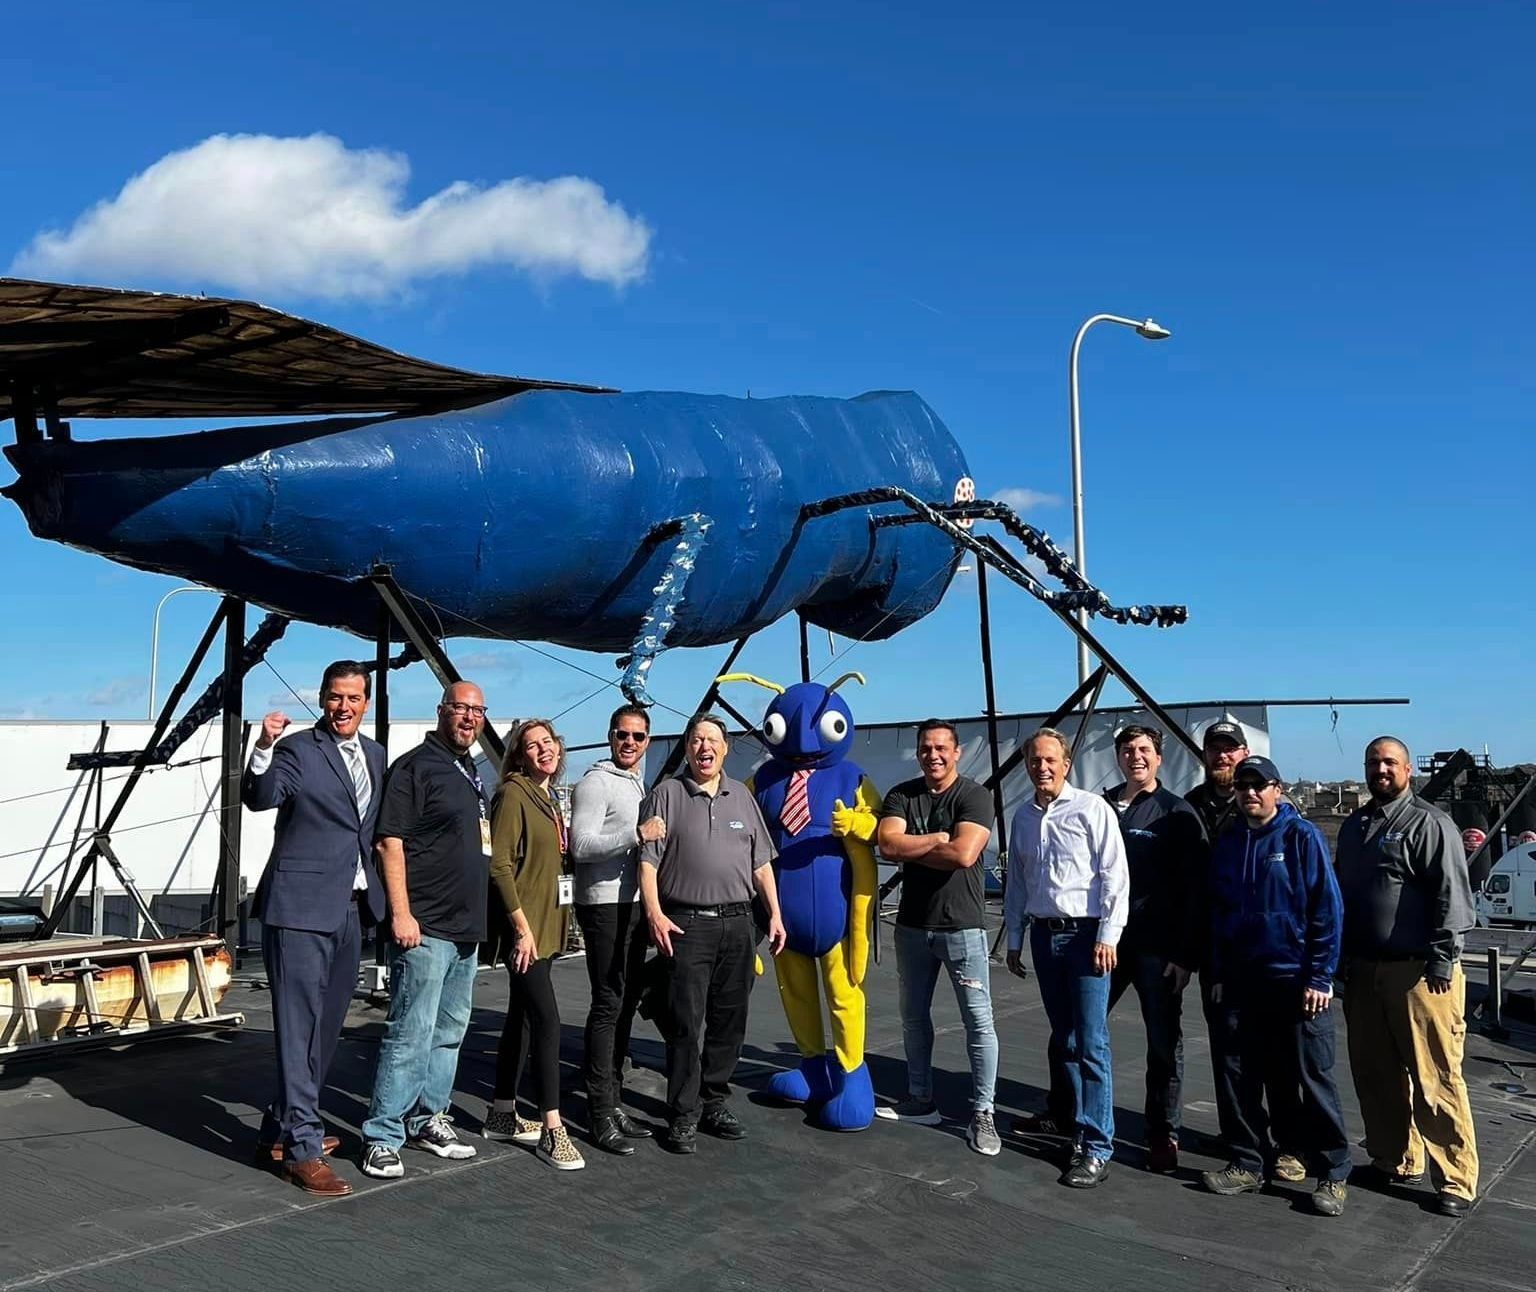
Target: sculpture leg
pixel 852 1105
pixel 667 596
pixel 802 1007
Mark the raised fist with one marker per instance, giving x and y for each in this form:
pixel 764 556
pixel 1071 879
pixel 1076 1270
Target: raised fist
pixel 272 726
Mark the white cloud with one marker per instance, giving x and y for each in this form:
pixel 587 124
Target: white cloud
pixel 310 217
pixel 118 691
pixel 1025 500
pixel 486 661
pixel 305 696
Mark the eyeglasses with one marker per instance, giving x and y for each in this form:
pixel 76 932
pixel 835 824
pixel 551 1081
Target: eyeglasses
pixel 635 737
pixel 1256 787
pixel 460 708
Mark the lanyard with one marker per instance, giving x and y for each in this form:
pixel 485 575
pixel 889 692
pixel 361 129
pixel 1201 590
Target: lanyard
pixel 473 777
pixel 554 805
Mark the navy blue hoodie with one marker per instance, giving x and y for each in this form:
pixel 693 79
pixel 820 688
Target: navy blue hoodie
pixel 1275 907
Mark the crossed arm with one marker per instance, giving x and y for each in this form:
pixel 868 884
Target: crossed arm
pixel 937 851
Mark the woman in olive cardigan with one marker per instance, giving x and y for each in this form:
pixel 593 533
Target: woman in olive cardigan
pixel 528 845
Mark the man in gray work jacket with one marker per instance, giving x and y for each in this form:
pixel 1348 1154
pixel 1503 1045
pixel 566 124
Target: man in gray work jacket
pixel 605 847
pixel 697 877
pixel 1407 903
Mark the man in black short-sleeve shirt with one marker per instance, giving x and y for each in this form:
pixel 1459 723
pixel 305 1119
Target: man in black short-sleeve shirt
pixel 936 827
pixel 433 845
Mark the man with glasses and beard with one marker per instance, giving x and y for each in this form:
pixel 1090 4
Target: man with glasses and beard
pixel 606 835
pixel 1275 928
pixel 434 850
pixel 1223 746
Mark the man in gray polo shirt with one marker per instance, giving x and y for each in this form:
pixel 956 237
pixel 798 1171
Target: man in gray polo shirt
pixel 697 876
pixel 1407 905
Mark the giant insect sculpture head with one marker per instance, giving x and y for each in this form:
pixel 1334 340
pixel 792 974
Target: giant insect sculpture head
pixel 806 725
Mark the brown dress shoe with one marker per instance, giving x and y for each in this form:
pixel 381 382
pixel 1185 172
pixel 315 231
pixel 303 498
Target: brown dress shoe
pixel 275 1151
pixel 316 1177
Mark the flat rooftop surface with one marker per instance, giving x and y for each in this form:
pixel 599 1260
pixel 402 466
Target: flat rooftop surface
pixel 133 1168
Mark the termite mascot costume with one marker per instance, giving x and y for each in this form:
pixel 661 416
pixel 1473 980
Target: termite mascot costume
pixel 822 811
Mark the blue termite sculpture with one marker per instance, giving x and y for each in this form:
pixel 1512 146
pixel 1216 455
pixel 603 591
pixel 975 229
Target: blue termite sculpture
pixel 599 521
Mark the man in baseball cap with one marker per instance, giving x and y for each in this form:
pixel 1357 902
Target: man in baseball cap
pixel 1224 745
pixel 1276 919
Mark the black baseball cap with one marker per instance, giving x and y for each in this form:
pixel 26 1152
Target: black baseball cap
pixel 1257 765
pixel 1225 730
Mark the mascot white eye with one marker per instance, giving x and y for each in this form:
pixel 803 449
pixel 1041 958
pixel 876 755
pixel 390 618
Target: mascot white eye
pixel 775 728
pixel 833 727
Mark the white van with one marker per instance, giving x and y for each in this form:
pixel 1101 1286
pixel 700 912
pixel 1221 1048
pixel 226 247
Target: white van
pixel 1508 895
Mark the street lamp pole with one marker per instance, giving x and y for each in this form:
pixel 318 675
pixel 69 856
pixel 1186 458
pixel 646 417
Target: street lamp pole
pixel 154 640
pixel 1152 332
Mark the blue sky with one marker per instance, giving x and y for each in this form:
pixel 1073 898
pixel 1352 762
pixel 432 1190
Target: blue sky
pixel 1331 207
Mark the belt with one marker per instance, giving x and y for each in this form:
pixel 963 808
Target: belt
pixel 723 911
pixel 1066 924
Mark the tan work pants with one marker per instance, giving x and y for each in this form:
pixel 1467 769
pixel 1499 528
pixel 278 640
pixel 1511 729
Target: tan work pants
pixel 1405 1053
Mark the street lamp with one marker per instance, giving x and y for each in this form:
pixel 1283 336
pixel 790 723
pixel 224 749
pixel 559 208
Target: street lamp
pixel 154 640
pixel 1152 331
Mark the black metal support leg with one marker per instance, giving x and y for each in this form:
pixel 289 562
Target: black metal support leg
pixel 227 909
pixel 404 615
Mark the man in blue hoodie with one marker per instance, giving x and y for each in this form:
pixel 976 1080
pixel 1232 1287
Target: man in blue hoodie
pixel 1275 925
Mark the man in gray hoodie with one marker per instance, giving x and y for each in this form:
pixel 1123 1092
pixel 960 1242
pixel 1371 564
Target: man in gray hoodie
pixel 605 838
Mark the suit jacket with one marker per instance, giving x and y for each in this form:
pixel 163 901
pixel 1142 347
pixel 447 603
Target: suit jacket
pixel 320 836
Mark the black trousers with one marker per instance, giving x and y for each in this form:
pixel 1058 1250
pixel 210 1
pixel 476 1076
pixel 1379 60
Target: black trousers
pixel 531 1030
pixel 1278 1047
pixel 1161 1011
pixel 312 977
pixel 616 938
pixel 709 983
pixel 1281 1096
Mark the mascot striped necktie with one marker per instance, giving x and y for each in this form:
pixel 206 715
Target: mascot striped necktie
pixel 796 813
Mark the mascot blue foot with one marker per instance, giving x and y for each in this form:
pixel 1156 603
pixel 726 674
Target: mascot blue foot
pixel 810 1083
pixel 852 1105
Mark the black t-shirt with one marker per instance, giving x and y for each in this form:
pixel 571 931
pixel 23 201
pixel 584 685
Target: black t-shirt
pixel 434 803
pixel 940 899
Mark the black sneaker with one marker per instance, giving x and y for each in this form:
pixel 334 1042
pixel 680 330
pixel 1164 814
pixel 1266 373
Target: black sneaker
pixel 437 1136
pixel 1038 1124
pixel 1329 1198
pixel 1232 1179
pixel 722 1123
pixel 381 1162
pixel 681 1137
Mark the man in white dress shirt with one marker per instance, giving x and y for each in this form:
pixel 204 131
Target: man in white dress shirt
pixel 1069 880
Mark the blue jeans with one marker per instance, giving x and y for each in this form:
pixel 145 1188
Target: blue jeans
pixel 963 952
pixel 1076 1001
pixel 430 991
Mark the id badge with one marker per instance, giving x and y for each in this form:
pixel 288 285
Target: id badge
pixel 567 891
pixel 485 836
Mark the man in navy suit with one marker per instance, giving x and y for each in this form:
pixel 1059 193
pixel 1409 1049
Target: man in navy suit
pixel 321 883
